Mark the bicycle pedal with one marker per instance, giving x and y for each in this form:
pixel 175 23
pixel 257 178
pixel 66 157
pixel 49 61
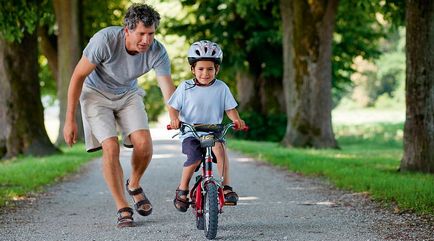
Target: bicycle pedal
pixel 230 204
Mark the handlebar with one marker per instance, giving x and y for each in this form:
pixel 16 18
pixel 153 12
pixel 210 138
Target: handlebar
pixel 208 128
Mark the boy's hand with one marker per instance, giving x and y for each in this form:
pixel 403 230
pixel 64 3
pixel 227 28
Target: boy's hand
pixel 174 124
pixel 241 125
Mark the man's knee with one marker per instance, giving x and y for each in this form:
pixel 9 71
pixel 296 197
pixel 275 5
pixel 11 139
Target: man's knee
pixel 110 146
pixel 142 143
pixel 144 148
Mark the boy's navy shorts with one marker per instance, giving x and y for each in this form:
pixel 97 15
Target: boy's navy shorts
pixel 191 148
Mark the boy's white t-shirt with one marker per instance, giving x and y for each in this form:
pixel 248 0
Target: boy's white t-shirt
pixel 202 104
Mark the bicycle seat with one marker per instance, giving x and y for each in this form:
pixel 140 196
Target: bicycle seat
pixel 214 128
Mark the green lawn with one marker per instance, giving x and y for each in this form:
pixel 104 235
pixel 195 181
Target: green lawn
pixel 368 161
pixel 22 176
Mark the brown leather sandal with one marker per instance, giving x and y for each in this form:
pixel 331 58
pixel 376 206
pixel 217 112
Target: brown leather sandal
pixel 125 221
pixel 139 205
pixel 231 197
pixel 181 204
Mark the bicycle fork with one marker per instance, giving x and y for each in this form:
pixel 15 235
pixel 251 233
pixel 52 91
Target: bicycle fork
pixel 206 177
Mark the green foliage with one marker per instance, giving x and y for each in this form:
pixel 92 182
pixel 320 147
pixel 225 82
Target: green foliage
pixel 46 79
pixel 24 175
pixel 17 18
pixel 368 162
pixel 384 78
pixel 360 30
pixel 242 37
pixel 262 128
pixel 153 100
pixel 357 33
pixel 98 14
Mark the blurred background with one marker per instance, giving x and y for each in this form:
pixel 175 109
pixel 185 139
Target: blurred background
pixel 368 56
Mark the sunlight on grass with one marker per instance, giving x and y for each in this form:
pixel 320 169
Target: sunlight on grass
pixel 367 162
pixel 23 175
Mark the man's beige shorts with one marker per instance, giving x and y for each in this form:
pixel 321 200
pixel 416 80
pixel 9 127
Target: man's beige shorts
pixel 103 112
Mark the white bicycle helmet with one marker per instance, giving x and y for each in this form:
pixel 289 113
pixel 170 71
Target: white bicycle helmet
pixel 205 50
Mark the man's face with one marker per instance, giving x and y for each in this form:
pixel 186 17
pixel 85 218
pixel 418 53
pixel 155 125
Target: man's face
pixel 139 39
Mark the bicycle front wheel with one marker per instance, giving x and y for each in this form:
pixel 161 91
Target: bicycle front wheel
pixel 211 210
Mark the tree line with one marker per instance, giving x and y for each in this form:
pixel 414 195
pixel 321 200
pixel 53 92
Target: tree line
pixel 293 57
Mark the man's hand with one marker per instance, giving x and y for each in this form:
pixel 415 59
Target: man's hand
pixel 70 131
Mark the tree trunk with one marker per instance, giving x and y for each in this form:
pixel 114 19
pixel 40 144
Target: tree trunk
pixel 69 52
pixel 308 29
pixel 22 129
pixel 245 90
pixel 419 121
pixel 258 94
pixel 49 50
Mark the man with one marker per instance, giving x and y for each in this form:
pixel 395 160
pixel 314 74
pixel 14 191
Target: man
pixel 105 80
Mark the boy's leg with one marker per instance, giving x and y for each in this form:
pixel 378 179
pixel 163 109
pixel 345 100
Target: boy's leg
pixel 222 162
pixel 187 173
pixel 231 197
pixel 181 196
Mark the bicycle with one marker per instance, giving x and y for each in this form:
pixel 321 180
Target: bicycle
pixel 207 192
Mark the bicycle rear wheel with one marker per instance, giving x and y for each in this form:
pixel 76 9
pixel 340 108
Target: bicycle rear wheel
pixel 211 210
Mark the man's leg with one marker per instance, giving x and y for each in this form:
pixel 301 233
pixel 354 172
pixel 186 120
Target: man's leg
pixel 140 159
pixel 112 171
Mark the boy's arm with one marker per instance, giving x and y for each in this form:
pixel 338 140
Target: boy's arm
pixel 174 117
pixel 235 117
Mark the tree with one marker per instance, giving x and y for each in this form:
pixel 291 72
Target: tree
pixel 69 52
pixel 419 121
pixel 251 45
pixel 309 82
pixel 22 129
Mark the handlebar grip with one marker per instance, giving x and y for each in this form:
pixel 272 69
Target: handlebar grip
pixel 236 127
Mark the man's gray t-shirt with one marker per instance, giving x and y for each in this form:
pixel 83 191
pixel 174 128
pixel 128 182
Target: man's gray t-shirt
pixel 202 104
pixel 116 70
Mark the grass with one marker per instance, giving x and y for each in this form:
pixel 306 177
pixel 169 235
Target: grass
pixel 367 162
pixel 19 177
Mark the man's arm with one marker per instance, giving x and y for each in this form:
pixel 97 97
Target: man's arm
pixel 81 71
pixel 167 88
pixel 166 85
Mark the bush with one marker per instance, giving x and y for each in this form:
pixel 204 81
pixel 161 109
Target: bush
pixel 262 128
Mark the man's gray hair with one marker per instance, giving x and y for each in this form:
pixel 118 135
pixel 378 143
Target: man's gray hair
pixel 143 13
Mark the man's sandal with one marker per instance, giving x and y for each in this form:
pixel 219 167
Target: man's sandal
pixel 231 197
pixel 139 206
pixel 181 204
pixel 127 220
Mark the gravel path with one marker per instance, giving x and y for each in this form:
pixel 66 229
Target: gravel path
pixel 274 205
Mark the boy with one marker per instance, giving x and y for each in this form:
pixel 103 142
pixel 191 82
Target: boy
pixel 202 100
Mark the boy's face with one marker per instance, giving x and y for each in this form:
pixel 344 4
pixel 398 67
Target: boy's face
pixel 139 39
pixel 205 71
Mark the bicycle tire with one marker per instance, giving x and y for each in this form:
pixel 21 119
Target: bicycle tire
pixel 211 210
pixel 200 223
